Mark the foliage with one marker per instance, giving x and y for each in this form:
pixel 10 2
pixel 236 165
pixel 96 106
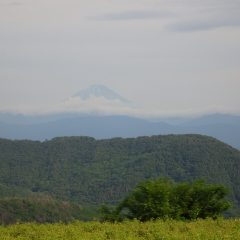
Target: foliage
pixel 88 171
pixel 198 200
pixel 149 200
pixel 163 198
pixel 132 230
pixel 110 214
pixel 41 209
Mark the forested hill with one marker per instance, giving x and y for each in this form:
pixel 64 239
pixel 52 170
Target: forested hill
pixel 85 170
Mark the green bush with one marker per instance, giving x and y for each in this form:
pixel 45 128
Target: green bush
pixel 163 199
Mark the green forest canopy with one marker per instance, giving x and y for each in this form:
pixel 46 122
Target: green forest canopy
pixel 83 170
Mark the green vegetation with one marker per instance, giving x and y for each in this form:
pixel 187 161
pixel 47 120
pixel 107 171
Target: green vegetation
pixel 39 209
pixel 85 171
pixel 134 230
pixel 165 199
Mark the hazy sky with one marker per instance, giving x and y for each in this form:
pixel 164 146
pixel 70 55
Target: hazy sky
pixel 175 56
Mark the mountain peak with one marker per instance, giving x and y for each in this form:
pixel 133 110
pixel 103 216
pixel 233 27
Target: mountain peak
pixel 99 90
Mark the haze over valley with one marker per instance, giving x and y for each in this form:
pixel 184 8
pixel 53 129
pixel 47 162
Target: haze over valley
pixel 100 112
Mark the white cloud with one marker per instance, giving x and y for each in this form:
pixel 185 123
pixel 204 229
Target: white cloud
pixel 207 18
pixel 132 15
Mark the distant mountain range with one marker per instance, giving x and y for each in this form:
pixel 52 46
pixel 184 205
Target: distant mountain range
pixel 100 112
pixel 14 126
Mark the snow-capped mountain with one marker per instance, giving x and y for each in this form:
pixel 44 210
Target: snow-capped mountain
pixel 100 91
pixel 98 99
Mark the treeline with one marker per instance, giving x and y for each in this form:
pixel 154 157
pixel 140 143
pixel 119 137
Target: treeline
pixel 154 199
pixel 88 171
pixel 40 210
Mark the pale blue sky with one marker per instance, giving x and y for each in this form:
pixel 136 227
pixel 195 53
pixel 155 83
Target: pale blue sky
pixel 169 55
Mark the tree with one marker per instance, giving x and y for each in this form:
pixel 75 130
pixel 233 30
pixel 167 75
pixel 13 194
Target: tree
pixel 163 198
pixel 198 200
pixel 149 200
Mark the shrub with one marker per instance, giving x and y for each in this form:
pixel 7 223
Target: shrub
pixel 163 198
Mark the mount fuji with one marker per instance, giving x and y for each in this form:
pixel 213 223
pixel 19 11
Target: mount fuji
pixel 99 91
pixel 97 99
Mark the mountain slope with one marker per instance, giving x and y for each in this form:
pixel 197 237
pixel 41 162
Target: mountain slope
pixel 86 170
pixel 221 126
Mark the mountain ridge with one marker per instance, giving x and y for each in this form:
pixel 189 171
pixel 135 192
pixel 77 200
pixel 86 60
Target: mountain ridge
pixel 223 127
pixel 85 170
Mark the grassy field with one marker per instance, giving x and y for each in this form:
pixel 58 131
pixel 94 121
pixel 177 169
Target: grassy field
pixel 200 229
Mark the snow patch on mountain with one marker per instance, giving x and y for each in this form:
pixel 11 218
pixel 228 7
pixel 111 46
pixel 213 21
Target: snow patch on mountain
pixel 98 99
pixel 99 91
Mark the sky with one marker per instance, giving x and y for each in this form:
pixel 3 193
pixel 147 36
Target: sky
pixel 170 57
